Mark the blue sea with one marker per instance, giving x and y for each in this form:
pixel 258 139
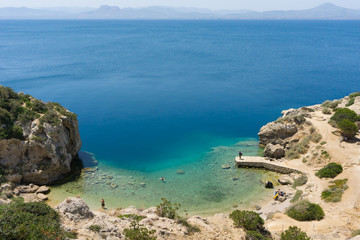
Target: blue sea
pixel 153 97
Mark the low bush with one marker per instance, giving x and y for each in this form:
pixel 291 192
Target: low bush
pixel 297 196
pixel 132 216
pixel 300 181
pixel 351 102
pixel 95 228
pixel 326 110
pixel 330 104
pixel 50 117
pixel 294 233
pixel 305 211
pixel 138 232
pixel 191 228
pixel 248 220
pixel 355 233
pixel 167 209
pixel 28 221
pixel 354 95
pixel 347 127
pixel 330 171
pixel 335 191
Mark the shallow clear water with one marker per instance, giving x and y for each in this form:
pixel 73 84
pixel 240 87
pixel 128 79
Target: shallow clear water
pixel 156 96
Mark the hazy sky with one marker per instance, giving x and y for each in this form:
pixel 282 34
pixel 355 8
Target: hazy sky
pixel 259 5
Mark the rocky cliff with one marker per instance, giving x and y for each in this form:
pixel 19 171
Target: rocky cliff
pixel 38 140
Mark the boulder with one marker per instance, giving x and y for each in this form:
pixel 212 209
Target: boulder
pixel 274 151
pixel 274 132
pixel 74 209
pixel 14 178
pixel 285 181
pixel 28 189
pixel 43 189
pixel 5 187
pixel 41 197
pixel 269 184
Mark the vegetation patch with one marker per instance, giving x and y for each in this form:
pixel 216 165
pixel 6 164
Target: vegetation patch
pixel 300 181
pixel 305 211
pixel 297 196
pixel 95 228
pixel 191 228
pixel 330 171
pixel 335 191
pixel 138 232
pixel 132 216
pixel 326 110
pixel 344 113
pixel 28 221
pixel 294 233
pixel 331 104
pixel 355 233
pixel 302 146
pixel 347 128
pixel 167 209
pixel 251 222
pixel 253 235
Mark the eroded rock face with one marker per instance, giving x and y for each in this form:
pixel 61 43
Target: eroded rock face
pixel 275 132
pixel 274 151
pixel 45 154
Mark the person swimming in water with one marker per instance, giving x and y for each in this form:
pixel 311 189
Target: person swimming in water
pixel 162 179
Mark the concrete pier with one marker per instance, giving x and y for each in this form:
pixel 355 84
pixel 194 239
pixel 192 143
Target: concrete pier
pixel 261 162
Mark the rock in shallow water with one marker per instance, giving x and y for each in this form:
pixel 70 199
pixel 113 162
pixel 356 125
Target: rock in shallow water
pixel 225 166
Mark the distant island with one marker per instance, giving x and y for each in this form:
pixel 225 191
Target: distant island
pixel 326 11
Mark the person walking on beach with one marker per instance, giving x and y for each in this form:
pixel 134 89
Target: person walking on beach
pixel 102 203
pixel 240 154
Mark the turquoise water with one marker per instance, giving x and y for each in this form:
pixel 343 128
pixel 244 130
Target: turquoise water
pixel 156 96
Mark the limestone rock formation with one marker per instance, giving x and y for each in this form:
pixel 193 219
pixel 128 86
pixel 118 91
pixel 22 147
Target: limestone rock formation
pixel 37 145
pixel 274 151
pixel 275 132
pixel 74 209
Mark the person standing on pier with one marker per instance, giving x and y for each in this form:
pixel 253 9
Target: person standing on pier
pixel 240 154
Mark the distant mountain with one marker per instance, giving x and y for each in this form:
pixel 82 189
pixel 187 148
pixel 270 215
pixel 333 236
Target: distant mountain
pixel 324 11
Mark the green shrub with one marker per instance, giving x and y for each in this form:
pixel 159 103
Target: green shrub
pixel 95 228
pixel 335 191
pixel 297 196
pixel 27 116
pixel 347 127
pixel 355 233
pixel 354 95
pixel 50 117
pixel 253 235
pixel 138 232
pixel 38 106
pixel 300 181
pixel 167 209
pixel 28 221
pixel 330 171
pixel 249 220
pixel 305 211
pixel 294 233
pixel 71 234
pixel 351 102
pixel 191 228
pixel 326 110
pixel 345 113
pixel 132 216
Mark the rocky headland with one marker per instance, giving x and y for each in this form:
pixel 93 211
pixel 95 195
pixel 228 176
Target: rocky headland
pixel 38 141
pixel 306 139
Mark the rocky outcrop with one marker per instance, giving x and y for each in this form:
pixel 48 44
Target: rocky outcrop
pixel 48 143
pixel 274 151
pixel 74 209
pixel 275 132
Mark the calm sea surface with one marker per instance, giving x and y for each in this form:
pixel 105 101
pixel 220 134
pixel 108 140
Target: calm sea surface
pixel 153 97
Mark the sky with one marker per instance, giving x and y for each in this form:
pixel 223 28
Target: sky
pixel 258 5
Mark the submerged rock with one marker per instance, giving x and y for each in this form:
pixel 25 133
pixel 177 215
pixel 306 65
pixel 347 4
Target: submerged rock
pixel 180 171
pixel 225 166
